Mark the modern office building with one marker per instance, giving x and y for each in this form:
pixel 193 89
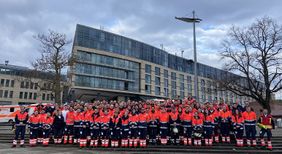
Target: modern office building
pixel 111 66
pixel 21 85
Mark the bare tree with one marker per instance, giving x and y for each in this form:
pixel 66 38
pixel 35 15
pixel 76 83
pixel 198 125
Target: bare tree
pixel 54 58
pixel 254 52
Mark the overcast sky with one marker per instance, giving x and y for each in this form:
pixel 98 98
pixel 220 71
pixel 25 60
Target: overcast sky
pixel 149 21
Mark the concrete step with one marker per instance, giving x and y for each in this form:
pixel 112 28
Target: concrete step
pixel 167 149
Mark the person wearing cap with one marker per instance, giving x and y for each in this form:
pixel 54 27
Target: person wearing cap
pixel 21 119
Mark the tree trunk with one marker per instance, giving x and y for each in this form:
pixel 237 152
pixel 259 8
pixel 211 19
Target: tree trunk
pixel 266 105
pixel 57 89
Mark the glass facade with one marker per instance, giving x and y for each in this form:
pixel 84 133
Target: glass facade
pixel 99 71
pixel 106 41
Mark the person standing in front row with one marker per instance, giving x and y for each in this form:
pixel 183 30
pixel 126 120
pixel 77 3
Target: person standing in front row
pixel 20 124
pixel 250 119
pixel 266 123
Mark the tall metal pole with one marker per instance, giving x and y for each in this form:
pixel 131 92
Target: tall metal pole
pixel 196 91
pixel 194 20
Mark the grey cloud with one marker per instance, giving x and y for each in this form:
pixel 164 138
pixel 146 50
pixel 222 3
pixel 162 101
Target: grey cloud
pixel 149 21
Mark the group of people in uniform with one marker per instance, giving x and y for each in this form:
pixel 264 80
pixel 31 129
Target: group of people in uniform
pixel 139 123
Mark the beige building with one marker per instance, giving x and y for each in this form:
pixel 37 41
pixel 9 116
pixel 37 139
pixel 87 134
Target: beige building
pixel 19 86
pixel 111 66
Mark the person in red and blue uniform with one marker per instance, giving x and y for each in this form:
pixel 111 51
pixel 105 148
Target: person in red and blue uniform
pixel 142 127
pixel 20 124
pixel 186 120
pixel 153 126
pixel 197 123
pixel 164 125
pixel 238 127
pixel 33 123
pixel 125 129
pixel 225 123
pixel 208 127
pixel 266 123
pixel 115 126
pixel 133 129
pixel 174 121
pixel 95 128
pixel 105 128
pixel 47 125
pixel 250 119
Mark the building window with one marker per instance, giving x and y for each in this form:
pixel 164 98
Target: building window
pixel 27 85
pixel 166 73
pixel 203 83
pixel 31 85
pixel 43 96
pixel 30 96
pixel 1 93
pixel 173 84
pixel 34 96
pixel 173 93
pixel 148 69
pixel 173 76
pixel 189 79
pixel 22 84
pixel 11 94
pixel 7 83
pixel 166 83
pixel 148 89
pixel 35 85
pixel 2 82
pixel 166 92
pixel 6 94
pixel 148 79
pixel 157 71
pixel 25 95
pixel 12 83
pixel 49 86
pixel 157 90
pixel 157 81
pixel 21 95
pixel 48 97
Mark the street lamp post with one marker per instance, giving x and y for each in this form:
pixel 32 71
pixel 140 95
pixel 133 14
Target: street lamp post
pixel 194 21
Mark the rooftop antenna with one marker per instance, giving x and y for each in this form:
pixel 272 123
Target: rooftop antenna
pixel 6 62
pixel 101 27
pixel 162 46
